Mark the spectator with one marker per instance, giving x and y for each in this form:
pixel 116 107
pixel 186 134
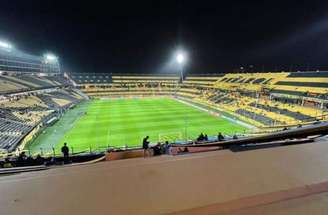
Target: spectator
pixel 220 137
pixel 206 137
pixel 145 146
pixel 163 148
pixel 201 137
pixel 157 149
pixel 21 160
pixel 166 147
pixel 65 151
pixel 7 163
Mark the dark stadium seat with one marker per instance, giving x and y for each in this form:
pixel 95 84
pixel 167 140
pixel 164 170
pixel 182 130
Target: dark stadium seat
pixel 303 84
pixel 263 119
pixel 308 74
pixel 298 116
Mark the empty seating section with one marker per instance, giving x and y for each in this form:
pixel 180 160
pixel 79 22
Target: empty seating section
pixel 21 83
pixel 220 97
pixel 200 81
pixel 20 113
pixel 126 90
pixel 296 115
pixel 247 95
pixel 318 74
pixel 18 80
pixel 145 79
pixel 287 92
pixel 249 81
pixel 99 85
pixel 38 82
pixel 7 114
pixel 301 90
pixel 193 86
pixel 259 80
pixel 23 102
pixel 90 78
pixel 59 98
pixel 304 82
pixel 31 117
pixel 305 87
pixel 11 132
pixel 58 80
pixel 9 86
pixel 257 117
pixel 306 111
pixel 237 103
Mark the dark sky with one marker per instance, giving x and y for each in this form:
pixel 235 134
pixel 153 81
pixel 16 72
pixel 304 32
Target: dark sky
pixel 140 36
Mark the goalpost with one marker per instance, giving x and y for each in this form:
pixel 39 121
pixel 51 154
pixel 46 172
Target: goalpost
pixel 170 136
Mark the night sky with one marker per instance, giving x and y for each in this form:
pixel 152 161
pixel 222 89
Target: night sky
pixel 140 36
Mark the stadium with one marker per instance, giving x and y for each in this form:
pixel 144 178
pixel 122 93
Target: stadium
pixel 42 109
pixel 96 114
pixel 156 141
pixel 134 101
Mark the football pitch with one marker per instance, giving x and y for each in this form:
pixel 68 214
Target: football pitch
pixel 99 124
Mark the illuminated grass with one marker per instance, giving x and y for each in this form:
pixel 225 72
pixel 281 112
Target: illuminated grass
pixel 98 124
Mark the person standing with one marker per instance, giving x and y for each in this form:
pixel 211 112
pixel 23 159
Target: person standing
pixel 145 146
pixel 65 151
pixel 220 137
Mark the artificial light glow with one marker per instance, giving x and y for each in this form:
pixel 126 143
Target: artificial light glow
pixel 180 58
pixel 5 45
pixel 50 57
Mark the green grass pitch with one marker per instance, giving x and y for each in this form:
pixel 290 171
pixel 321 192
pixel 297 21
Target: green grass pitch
pixel 97 124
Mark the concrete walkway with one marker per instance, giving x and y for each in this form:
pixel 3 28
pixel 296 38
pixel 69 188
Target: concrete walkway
pixel 172 184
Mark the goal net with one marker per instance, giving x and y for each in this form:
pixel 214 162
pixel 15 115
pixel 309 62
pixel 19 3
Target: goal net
pixel 170 136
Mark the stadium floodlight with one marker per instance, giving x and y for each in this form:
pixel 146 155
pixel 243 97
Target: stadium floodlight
pixel 50 58
pixel 180 57
pixel 5 45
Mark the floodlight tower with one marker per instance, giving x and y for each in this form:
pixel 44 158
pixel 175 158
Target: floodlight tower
pixel 51 62
pixel 181 59
pixel 50 58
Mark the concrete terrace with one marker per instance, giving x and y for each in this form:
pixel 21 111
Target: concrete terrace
pixel 266 181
